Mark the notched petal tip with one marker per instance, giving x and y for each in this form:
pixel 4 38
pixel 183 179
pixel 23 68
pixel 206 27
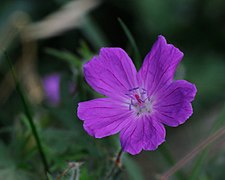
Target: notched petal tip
pixel 174 106
pixel 103 117
pixel 146 134
pixel 194 91
pixel 162 40
pixel 108 49
pixel 132 152
pixel 88 130
pixel 159 65
pixel 79 114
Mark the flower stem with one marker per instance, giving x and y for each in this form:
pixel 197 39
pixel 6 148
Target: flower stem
pixel 28 114
pixel 116 165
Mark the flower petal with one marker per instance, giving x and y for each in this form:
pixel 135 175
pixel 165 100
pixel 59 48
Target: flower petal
pixel 144 133
pixel 173 104
pixel 159 65
pixel 104 116
pixel 112 73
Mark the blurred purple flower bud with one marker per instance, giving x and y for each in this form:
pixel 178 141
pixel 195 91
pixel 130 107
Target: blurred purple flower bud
pixel 51 85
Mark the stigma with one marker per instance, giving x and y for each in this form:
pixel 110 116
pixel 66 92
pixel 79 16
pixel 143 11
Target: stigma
pixel 139 102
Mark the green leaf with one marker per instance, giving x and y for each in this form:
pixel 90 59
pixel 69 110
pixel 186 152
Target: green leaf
pixel 66 56
pixel 10 169
pixel 85 51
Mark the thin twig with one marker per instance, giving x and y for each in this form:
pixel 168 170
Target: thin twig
pixel 193 153
pixel 75 166
pixel 117 163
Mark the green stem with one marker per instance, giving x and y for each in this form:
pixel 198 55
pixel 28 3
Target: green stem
pixel 28 114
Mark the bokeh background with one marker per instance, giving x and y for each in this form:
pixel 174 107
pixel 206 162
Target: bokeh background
pixel 49 41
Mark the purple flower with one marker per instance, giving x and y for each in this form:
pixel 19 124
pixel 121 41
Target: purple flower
pixel 137 104
pixel 51 85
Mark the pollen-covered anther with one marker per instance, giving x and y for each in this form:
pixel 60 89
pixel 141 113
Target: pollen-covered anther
pixel 139 101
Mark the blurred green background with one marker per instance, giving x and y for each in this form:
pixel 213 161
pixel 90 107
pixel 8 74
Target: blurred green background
pixel 49 41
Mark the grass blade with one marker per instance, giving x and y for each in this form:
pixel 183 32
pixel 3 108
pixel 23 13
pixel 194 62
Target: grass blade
pixel 137 55
pixel 66 56
pixel 199 148
pixel 201 158
pixel 93 33
pixel 28 114
pixel 164 150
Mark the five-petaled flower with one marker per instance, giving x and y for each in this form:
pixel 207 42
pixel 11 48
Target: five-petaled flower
pixel 137 104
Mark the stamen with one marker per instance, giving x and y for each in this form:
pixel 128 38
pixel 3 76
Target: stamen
pixel 139 101
pixel 129 106
pixel 134 89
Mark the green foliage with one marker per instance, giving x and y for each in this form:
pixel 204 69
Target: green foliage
pixel 28 114
pixel 132 169
pixel 66 56
pixel 193 26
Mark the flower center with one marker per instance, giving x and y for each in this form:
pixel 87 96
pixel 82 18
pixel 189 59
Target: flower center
pixel 139 101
